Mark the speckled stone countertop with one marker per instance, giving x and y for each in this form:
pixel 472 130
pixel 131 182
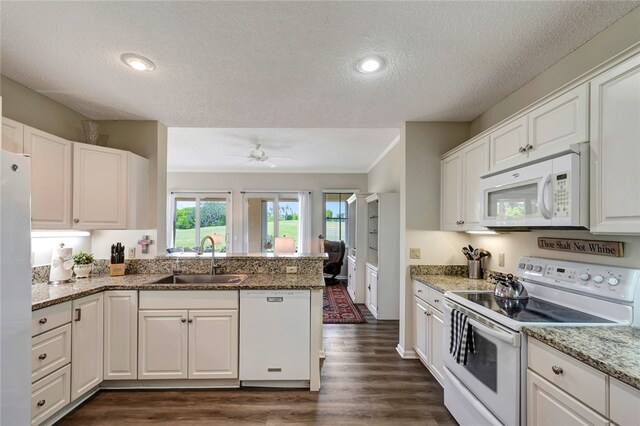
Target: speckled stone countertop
pixel 453 282
pixel 43 295
pixel 612 350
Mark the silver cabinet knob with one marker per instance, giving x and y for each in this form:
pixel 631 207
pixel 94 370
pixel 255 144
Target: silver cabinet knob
pixel 42 356
pixel 436 300
pixel 190 321
pixel 76 220
pixel 43 321
pixel 41 402
pixel 557 370
pixel 522 149
pixel 183 320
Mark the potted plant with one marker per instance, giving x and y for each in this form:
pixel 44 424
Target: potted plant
pixel 83 263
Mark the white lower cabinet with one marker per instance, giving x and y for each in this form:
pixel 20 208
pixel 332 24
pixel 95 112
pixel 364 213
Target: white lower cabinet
pixel 50 395
pixel 624 403
pixel 428 326
pixel 548 405
pixel 120 335
pixel 197 340
pixel 86 344
pixel 162 353
pixel 371 293
pixel 351 275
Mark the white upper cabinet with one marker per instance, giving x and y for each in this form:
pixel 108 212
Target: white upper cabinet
pixel 109 188
pixel 12 136
pixel 461 198
pixel 50 179
pixel 559 123
pixel 509 144
pixel 615 149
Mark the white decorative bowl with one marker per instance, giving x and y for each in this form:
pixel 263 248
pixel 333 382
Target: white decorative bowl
pixel 82 271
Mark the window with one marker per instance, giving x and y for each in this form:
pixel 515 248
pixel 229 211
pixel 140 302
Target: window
pixel 197 215
pixel 335 222
pixel 270 215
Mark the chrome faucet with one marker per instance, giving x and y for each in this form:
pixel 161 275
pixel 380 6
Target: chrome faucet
pixel 214 267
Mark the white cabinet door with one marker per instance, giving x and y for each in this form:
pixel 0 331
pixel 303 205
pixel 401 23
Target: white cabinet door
pixel 435 339
pixel 100 177
pixel 86 344
pixel 12 136
pixel 50 179
pixel 559 123
pixel 475 162
pixel 624 403
pixel 548 405
pixel 420 325
pixel 506 143
pixel 615 151
pixel 451 197
pixel 373 291
pixel 213 344
pixel 162 349
pixel 120 335
pixel 351 274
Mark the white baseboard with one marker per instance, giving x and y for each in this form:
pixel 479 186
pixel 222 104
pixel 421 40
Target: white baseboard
pixel 406 354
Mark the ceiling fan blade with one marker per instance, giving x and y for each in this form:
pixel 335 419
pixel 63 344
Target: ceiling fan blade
pixel 237 156
pixel 281 158
pixel 269 164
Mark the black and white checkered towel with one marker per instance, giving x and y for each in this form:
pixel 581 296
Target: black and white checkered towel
pixel 461 341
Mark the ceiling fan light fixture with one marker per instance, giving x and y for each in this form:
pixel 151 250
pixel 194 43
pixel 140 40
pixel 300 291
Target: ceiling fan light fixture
pixel 370 64
pixel 137 62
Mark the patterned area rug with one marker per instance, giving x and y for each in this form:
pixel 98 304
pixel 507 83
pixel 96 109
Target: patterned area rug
pixel 339 308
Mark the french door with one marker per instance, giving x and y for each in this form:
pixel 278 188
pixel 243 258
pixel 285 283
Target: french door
pixel 267 216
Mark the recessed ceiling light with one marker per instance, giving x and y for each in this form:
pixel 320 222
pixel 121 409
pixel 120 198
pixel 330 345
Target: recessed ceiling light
pixel 370 64
pixel 137 62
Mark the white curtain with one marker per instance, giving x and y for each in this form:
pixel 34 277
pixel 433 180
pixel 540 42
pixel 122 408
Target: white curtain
pixel 304 222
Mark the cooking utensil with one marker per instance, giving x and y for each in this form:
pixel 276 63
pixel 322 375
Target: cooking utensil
pixel 466 253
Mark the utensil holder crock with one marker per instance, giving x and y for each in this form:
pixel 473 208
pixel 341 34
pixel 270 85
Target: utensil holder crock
pixel 475 269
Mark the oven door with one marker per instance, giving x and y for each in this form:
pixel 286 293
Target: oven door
pixel 492 374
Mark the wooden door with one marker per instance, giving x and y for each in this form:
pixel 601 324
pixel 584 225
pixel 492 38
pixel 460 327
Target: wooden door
pixel 100 177
pixel 86 344
pixel 162 348
pixel 121 335
pixel 50 179
pixel 213 344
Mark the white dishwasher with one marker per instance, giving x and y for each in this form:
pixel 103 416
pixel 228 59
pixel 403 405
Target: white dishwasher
pixel 274 335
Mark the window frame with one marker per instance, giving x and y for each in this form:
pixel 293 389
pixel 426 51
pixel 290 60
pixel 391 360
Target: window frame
pixel 276 196
pixel 198 196
pixel 342 192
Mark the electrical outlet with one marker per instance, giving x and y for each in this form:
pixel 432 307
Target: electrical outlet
pixel 292 269
pixel 414 253
pixel 131 253
pixel 501 259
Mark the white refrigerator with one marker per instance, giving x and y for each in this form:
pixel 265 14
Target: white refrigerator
pixel 15 289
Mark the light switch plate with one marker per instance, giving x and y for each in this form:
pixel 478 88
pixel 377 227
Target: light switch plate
pixel 292 269
pixel 501 259
pixel 131 252
pixel 414 253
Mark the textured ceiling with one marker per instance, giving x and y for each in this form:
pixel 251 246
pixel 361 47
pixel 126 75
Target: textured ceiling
pixel 292 150
pixel 291 64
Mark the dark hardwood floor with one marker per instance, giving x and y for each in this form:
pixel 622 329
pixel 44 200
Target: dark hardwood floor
pixel 364 382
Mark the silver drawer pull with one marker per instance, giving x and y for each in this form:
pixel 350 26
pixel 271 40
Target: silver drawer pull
pixel 557 370
pixel 274 370
pixel 78 314
pixel 43 321
pixel 275 299
pixel 41 402
pixel 436 300
pixel 42 356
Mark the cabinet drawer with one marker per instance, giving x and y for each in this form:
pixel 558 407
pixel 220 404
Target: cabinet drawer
pixel 624 403
pixel 50 395
pixel 436 299
pixel 50 351
pixel 48 318
pixel 194 299
pixel 585 383
pixel 421 290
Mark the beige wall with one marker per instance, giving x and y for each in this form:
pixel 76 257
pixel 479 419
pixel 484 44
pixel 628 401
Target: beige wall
pixel 386 175
pixel 33 109
pixel 236 182
pixel 619 36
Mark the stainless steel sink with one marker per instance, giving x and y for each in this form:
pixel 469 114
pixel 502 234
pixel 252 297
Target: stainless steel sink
pixel 202 279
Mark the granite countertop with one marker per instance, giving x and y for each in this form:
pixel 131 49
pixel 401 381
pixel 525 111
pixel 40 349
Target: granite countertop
pixel 43 294
pixel 612 350
pixel 191 254
pixel 453 282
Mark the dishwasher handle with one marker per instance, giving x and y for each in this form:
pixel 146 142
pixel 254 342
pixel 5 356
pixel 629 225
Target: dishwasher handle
pixel 275 299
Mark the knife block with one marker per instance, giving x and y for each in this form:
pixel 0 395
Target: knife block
pixel 116 269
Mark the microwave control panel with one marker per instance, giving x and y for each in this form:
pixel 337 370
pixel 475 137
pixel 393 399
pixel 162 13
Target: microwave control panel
pixel 562 195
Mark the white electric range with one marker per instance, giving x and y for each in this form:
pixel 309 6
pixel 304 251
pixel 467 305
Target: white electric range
pixel 491 388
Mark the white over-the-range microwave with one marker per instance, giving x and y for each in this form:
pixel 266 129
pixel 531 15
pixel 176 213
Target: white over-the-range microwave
pixel 550 192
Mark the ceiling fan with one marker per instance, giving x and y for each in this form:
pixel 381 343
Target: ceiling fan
pixel 259 156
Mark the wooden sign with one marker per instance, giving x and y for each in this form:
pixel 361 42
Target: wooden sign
pixel 601 248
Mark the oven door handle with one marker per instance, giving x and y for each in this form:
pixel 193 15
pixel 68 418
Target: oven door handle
pixel 512 339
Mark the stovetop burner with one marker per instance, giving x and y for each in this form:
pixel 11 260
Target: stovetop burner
pixel 530 310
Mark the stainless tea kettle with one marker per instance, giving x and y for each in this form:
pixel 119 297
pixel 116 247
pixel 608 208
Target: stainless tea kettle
pixel 509 288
